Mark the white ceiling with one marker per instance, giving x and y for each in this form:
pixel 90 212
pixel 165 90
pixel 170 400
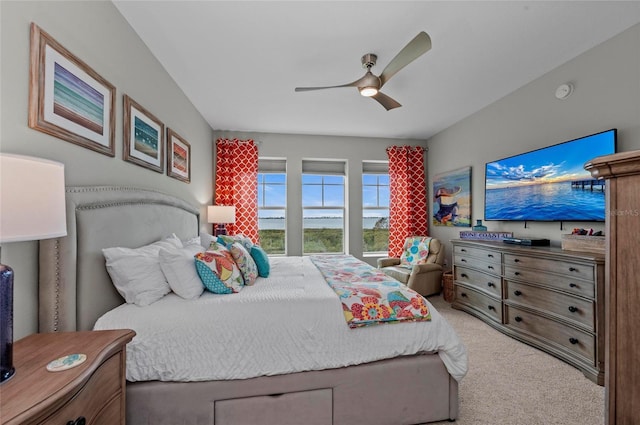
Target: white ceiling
pixel 239 61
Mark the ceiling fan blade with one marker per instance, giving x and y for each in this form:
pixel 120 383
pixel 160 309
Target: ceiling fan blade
pixel 353 84
pixel 386 101
pixel 420 44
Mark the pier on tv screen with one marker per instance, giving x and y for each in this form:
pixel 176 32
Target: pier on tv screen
pixel 549 184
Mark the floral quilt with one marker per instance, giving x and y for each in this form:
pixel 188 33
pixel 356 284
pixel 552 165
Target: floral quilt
pixel 368 295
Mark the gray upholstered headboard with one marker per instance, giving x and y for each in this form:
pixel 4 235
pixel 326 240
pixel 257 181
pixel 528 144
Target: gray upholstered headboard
pixel 74 286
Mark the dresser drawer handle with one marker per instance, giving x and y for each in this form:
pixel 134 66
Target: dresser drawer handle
pixel 492 308
pixel 517 293
pixel 518 319
pixel 573 285
pixel 573 269
pixel 464 295
pixel 463 260
pixel 490 255
pixel 463 250
pixel 573 309
pixel 490 267
pixel 573 341
pixel 491 284
pixel 80 421
pixel 464 275
pixel 516 260
pixel 517 273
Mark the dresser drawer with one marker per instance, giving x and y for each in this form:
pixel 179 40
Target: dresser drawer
pixel 483 281
pixel 575 309
pixel 483 254
pixel 577 342
pixel 478 301
pixel 468 261
pixel 566 268
pixel 89 402
pixel 564 283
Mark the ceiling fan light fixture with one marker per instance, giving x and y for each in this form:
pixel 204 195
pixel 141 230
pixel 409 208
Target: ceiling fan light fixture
pixel 368 91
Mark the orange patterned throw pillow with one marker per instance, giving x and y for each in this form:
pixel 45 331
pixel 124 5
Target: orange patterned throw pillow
pixel 218 271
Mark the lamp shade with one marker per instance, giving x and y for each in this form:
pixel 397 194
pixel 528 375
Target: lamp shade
pixel 32 199
pixel 221 214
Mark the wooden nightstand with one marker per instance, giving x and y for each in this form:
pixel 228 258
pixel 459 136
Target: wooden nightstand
pixel 93 390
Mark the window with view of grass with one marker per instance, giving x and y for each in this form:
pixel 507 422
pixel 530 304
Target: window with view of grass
pixel 272 205
pixel 375 208
pixel 323 207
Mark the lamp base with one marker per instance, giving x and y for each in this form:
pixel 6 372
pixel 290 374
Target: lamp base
pixel 6 323
pixel 219 230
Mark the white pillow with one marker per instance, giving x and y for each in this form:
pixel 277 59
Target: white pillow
pixel 136 272
pixel 206 239
pixel 179 267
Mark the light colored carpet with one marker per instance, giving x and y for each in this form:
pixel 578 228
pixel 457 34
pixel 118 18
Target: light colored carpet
pixel 512 383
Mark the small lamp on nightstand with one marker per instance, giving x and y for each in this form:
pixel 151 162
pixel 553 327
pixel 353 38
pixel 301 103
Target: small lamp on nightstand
pixel 221 215
pixel 32 207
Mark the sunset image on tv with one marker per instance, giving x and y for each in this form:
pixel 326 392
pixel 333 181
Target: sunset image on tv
pixel 549 184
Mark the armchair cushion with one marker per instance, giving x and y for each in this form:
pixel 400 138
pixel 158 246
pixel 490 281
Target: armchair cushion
pixel 415 250
pixel 425 275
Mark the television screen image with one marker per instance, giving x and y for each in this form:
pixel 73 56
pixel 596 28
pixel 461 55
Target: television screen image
pixel 549 184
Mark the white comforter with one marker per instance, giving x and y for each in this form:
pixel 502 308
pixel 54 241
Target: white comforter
pixel 289 322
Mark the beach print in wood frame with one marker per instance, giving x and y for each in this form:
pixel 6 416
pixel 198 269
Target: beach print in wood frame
pixel 68 99
pixel 178 157
pixel 143 137
pixel 452 198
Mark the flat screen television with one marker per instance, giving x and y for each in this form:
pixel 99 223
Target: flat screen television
pixel 549 184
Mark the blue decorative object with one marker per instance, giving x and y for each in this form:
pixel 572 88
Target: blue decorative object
pixel 6 320
pixel 479 227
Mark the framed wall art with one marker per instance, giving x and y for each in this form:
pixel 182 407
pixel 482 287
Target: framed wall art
pixel 178 157
pixel 68 99
pixel 452 198
pixel 143 137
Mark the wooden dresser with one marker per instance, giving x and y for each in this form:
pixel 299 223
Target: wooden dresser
pixel 622 285
pixel 547 297
pixel 90 393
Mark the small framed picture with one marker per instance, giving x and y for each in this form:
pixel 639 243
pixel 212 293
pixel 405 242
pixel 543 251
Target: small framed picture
pixel 178 157
pixel 143 137
pixel 68 99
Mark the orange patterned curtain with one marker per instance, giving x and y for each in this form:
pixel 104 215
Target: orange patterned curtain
pixel 408 197
pixel 237 184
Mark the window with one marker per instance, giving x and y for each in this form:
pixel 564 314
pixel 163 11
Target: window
pixel 272 205
pixel 375 207
pixel 323 207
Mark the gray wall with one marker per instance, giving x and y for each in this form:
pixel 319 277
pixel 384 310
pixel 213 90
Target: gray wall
pixel 296 147
pixel 96 33
pixel 607 95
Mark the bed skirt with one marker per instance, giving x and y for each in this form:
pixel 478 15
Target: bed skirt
pixel 404 390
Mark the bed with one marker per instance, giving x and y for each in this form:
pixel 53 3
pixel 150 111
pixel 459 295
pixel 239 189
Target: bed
pixel 76 291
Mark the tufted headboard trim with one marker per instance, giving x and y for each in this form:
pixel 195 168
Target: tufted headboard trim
pixel 74 286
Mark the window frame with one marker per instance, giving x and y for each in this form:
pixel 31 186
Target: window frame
pixel 321 207
pixel 376 172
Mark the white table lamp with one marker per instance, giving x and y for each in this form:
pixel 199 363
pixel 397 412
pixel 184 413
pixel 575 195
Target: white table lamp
pixel 221 215
pixel 32 207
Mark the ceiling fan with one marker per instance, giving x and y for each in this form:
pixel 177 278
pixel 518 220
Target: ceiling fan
pixel 370 84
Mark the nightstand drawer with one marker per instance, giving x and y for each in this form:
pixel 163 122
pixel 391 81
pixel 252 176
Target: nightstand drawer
pixel 90 401
pixel 571 339
pixel 572 308
pixel 483 281
pixel 488 306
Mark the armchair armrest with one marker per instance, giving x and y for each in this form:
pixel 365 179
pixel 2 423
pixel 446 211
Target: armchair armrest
pixel 387 262
pixel 425 268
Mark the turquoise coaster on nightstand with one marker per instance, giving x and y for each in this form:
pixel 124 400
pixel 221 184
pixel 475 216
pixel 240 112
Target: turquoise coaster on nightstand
pixel 66 362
